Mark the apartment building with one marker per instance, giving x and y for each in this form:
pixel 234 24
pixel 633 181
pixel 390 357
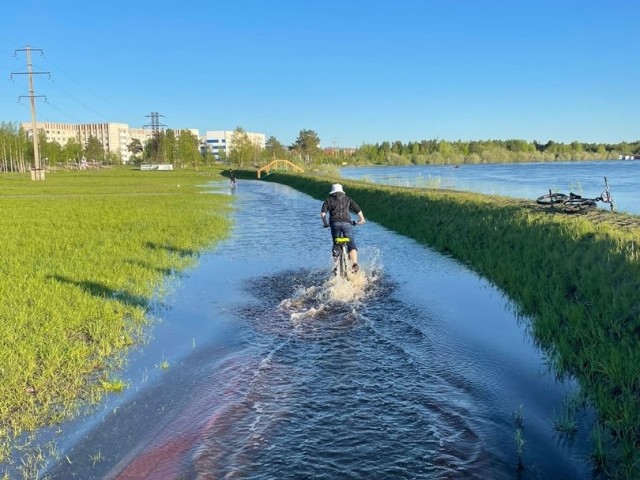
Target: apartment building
pixel 115 137
pixel 217 141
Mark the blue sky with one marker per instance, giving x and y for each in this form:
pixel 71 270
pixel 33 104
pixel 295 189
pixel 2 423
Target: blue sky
pixel 354 71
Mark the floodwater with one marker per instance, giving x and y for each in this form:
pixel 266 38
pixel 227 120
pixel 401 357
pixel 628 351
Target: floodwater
pixel 519 180
pixel 274 369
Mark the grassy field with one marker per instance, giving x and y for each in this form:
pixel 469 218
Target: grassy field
pixel 577 277
pixel 83 253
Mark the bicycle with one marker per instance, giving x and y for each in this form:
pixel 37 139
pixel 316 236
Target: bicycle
pixel 342 259
pixel 574 203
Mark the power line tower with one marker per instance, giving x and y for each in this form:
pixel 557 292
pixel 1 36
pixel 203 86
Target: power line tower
pixel 156 128
pixel 37 173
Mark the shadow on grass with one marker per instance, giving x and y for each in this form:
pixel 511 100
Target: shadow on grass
pixel 184 252
pixel 101 291
pixel 167 272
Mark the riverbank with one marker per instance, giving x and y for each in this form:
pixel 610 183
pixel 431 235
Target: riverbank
pixel 84 255
pixel 577 277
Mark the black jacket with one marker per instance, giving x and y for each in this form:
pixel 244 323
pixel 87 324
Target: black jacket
pixel 338 206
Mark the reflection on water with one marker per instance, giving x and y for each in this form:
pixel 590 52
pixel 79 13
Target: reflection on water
pixel 413 370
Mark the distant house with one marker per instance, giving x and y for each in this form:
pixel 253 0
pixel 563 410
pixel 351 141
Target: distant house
pixel 334 151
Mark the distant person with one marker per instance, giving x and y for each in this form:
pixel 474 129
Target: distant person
pixel 339 207
pixel 232 179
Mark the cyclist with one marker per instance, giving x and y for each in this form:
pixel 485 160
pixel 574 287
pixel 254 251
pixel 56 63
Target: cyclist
pixel 338 205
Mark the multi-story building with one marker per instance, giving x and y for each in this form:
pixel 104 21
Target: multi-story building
pixel 218 141
pixel 116 137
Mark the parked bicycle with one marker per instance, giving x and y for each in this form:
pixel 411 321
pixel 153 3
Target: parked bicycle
pixel 574 203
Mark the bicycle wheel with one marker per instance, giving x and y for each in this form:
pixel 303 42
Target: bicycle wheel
pixel 579 205
pixel 342 265
pixel 551 199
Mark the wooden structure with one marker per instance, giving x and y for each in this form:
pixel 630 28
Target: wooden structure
pixel 285 165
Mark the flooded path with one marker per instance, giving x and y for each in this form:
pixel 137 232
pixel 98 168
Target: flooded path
pixel 276 370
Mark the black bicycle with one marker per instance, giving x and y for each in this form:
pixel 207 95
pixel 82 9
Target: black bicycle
pixel 574 203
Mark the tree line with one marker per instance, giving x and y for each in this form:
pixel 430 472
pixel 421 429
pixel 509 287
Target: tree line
pixel 178 147
pixel 181 148
pixel 438 152
pixel 306 149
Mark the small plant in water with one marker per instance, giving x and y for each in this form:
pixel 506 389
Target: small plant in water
pixel 518 418
pixel 114 385
pixel 428 182
pixel 519 447
pixel 565 420
pixel 96 457
pixel 164 365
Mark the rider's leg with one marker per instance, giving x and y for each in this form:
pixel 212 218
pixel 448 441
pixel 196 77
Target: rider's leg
pixel 353 249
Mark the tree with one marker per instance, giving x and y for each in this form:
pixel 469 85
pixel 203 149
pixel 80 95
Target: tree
pixel 445 149
pixel 13 148
pixel 72 151
pixel 188 149
pixel 94 150
pixel 52 154
pixel 274 149
pixel 241 147
pixel 308 144
pixel 153 148
pixel 169 146
pixel 135 147
pixel 114 158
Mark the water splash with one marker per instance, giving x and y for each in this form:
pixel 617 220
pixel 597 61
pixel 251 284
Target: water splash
pixel 335 293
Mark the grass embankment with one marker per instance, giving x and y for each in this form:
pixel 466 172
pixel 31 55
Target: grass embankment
pixel 578 277
pixel 82 255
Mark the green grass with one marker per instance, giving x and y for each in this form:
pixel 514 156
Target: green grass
pixel 83 254
pixel 577 277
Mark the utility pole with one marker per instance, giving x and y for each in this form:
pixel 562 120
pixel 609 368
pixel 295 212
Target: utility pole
pixel 37 173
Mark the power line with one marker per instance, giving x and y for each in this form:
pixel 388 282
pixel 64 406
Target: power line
pixel 103 101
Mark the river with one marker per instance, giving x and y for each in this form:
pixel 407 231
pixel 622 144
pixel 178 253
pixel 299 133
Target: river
pixel 263 366
pixel 519 180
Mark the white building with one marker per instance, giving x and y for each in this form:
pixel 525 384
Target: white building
pixel 217 141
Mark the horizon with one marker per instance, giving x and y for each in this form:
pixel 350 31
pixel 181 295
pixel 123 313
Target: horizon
pixel 355 73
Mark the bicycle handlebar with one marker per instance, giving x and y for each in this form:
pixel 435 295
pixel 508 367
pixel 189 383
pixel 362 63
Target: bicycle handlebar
pixel 353 222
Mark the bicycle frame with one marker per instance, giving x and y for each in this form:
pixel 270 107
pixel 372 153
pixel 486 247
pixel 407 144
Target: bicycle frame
pixel 343 256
